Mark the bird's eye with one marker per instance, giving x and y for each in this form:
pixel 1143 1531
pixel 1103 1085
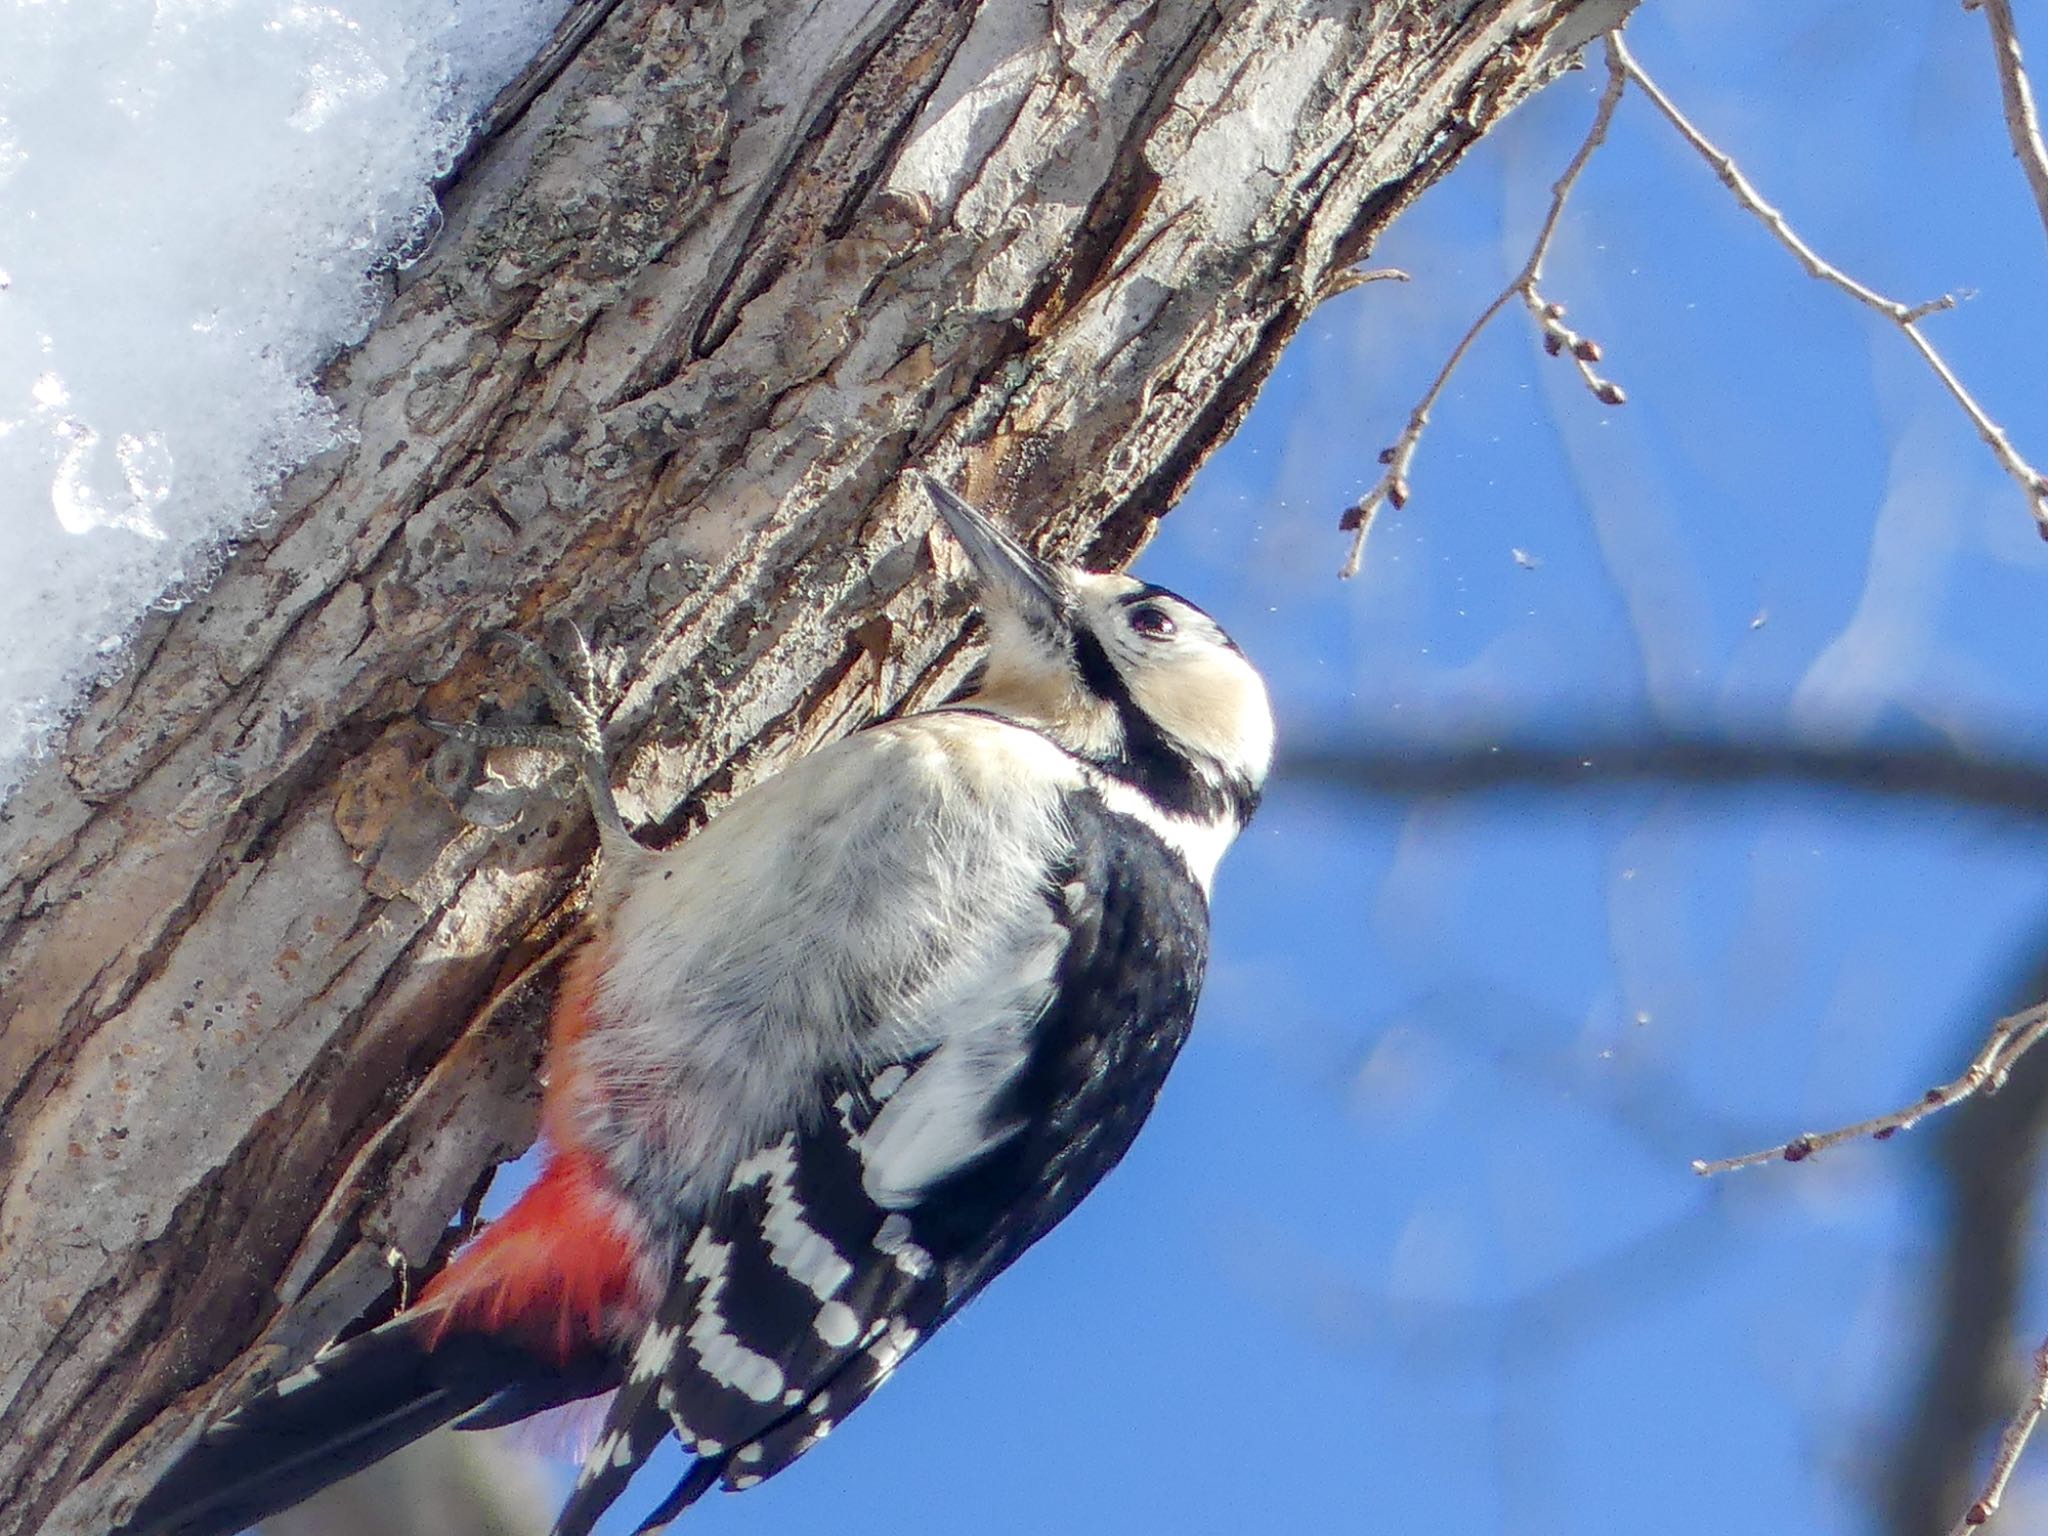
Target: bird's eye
pixel 1153 623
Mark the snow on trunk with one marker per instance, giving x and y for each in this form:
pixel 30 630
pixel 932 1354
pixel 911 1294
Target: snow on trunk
pixel 199 203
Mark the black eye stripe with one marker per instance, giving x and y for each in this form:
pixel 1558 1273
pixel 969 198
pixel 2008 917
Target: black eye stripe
pixel 1146 756
pixel 1148 593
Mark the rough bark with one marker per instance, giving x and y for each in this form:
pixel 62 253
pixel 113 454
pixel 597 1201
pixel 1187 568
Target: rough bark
pixel 261 1016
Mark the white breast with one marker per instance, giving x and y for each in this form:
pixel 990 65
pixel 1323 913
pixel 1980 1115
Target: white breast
pixel 879 898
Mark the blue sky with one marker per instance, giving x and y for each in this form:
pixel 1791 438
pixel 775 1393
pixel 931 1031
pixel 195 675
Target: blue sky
pixel 1411 1242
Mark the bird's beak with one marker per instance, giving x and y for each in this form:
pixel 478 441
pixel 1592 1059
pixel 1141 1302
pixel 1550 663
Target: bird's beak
pixel 1007 570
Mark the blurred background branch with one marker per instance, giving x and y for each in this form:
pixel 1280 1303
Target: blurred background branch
pixel 2009 783
pixel 1987 1161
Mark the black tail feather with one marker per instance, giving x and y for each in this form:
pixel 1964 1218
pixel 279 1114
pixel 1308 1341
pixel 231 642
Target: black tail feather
pixel 354 1405
pixel 703 1475
pixel 529 1395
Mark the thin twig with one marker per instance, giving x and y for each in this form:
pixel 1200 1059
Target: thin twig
pixel 2022 121
pixel 1906 317
pixel 2009 1040
pixel 2010 1445
pixel 1392 489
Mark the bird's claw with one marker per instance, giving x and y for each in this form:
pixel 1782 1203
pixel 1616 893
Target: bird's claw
pixel 541 738
pixel 574 699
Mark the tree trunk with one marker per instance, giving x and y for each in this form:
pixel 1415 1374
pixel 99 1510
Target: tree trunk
pixel 272 962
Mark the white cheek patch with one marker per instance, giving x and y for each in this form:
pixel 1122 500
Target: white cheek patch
pixel 1213 703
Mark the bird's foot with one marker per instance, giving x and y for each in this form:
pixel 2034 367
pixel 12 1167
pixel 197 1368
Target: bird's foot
pixel 572 692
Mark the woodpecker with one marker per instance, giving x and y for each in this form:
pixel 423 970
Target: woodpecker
pixel 822 1071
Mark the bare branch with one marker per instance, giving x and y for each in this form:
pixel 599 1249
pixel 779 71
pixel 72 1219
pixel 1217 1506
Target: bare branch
pixel 1392 489
pixel 2010 1445
pixel 2010 1039
pixel 1906 317
pixel 2022 121
pixel 1560 339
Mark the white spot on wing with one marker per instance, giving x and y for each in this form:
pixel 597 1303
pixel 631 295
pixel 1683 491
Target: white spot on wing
pixel 888 1351
pixel 893 1238
pixel 612 1449
pixel 844 1107
pixel 887 1082
pixel 836 1324
pixel 724 1358
pixel 654 1352
pixel 298 1380
pixel 799 1250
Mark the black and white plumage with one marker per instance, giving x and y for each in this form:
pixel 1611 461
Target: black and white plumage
pixel 828 1067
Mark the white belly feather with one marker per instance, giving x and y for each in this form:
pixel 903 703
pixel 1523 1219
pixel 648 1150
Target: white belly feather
pixel 882 897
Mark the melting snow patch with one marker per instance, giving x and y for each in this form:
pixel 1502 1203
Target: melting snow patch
pixel 194 196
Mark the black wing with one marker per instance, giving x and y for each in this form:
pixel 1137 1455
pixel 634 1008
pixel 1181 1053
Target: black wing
pixel 799 1294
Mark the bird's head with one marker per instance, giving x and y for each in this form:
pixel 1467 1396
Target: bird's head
pixel 1127 676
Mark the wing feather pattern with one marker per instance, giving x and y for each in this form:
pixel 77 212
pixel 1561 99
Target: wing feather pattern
pixel 821 1266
